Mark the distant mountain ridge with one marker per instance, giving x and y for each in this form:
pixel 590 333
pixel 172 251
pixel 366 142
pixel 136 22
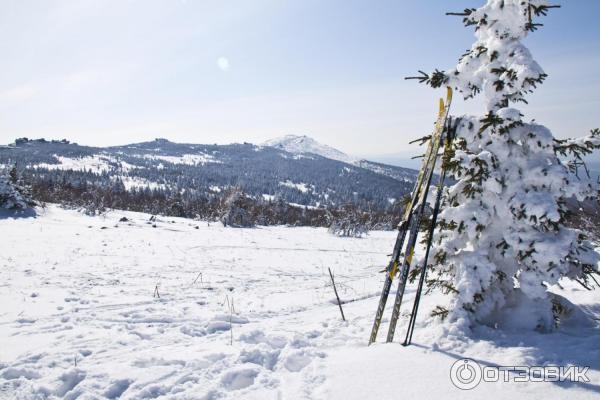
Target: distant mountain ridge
pixel 307 145
pixel 201 172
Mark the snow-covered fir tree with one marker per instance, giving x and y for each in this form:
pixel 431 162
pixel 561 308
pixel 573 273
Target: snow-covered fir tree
pixel 236 210
pixel 13 195
pixel 502 238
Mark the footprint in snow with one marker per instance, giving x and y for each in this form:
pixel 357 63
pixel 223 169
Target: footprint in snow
pixel 16 373
pixel 262 354
pixel 239 378
pixel 117 388
pixel 296 362
pixel 68 381
pixel 26 320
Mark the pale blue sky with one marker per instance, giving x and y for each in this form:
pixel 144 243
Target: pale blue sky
pixel 114 72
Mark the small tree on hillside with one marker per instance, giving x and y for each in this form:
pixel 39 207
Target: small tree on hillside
pixel 236 209
pixel 14 195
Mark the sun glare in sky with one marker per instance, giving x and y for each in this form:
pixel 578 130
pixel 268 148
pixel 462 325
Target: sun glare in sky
pixel 223 64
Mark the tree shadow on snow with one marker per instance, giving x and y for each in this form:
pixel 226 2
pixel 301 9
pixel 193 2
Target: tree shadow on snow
pixel 565 347
pixel 18 214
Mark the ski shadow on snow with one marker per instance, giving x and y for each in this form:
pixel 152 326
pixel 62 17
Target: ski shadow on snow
pixel 18 214
pixel 562 348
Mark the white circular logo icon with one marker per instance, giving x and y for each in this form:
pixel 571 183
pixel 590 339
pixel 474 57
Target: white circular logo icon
pixel 465 374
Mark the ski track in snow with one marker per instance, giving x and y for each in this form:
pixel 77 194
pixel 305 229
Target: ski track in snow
pixel 79 320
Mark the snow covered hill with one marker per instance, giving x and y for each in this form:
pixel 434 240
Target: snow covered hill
pixel 303 145
pixel 202 172
pixel 111 308
pixel 307 145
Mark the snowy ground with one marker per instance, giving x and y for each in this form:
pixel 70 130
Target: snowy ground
pixel 78 318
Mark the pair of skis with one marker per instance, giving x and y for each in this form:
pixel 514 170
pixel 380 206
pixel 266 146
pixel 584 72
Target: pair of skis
pixel 410 227
pixel 450 134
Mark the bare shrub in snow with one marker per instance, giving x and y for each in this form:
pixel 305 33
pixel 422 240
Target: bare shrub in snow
pixel 347 228
pixel 349 222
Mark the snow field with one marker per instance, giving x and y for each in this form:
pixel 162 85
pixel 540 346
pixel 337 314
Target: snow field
pixel 80 320
pixel 242 314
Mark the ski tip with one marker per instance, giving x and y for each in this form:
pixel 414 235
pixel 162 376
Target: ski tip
pixel 448 93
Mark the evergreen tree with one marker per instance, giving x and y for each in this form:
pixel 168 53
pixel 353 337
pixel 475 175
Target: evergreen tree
pixel 13 194
pixel 503 239
pixel 236 209
pixel 13 175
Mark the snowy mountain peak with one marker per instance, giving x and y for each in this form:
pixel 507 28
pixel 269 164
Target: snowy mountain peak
pixel 304 144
